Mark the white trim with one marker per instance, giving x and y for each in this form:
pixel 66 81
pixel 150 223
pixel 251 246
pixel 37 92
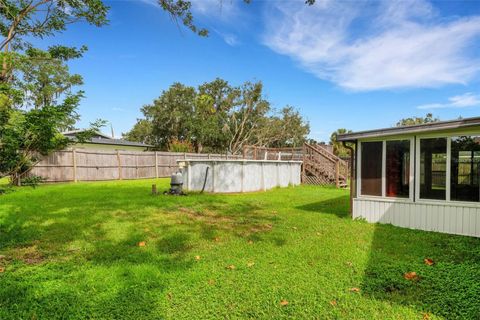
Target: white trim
pixel 447 179
pixel 384 168
pixel 448 169
pixel 359 169
pixel 417 168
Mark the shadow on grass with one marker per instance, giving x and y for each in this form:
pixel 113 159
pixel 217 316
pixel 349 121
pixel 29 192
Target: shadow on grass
pixel 450 288
pixel 338 206
pixel 59 236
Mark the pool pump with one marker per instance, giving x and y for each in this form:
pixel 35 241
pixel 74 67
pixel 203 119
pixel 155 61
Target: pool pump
pixel 176 184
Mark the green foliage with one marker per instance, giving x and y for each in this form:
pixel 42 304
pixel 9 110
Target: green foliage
pixel 32 181
pixel 23 20
pixel 179 146
pixel 338 147
pixel 181 9
pixel 34 109
pixel 70 251
pixel 417 120
pixel 217 117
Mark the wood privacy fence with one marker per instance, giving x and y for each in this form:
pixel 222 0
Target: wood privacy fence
pixel 92 165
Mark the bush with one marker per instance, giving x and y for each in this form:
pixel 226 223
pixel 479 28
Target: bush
pixel 176 145
pixel 32 181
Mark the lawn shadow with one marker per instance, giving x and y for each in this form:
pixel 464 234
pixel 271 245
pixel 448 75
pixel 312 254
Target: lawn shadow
pixel 449 288
pixel 338 206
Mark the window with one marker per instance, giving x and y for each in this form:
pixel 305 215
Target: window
pixel 433 168
pixel 465 163
pixel 371 168
pixel 398 168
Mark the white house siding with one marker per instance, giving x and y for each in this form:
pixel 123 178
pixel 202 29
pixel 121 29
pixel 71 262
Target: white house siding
pixel 442 217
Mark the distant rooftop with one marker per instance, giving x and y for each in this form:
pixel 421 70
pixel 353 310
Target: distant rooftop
pixel 419 128
pixel 100 138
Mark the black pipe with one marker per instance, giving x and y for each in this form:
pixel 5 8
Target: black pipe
pixel 205 180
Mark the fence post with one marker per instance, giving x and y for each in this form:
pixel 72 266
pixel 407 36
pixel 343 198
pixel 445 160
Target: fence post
pixel 136 165
pixel 156 165
pixel 304 151
pixel 74 155
pixel 119 166
pixel 279 155
pixel 337 174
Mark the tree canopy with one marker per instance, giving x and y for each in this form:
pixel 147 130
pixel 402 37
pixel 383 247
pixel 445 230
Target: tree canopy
pixel 429 118
pixel 218 117
pixel 338 147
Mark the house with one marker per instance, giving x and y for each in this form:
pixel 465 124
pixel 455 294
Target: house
pixel 105 142
pixel 421 177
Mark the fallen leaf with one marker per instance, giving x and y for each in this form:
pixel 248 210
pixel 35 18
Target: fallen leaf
pixel 410 275
pixel 333 302
pixel 283 303
pixel 211 282
pixel 2 269
pixel 428 262
pixel 197 258
pixel 217 239
pixel 250 242
pixel 142 244
pixel 354 290
pixel 169 296
pixel 231 267
pixel 426 316
pixel 349 264
pixel 250 264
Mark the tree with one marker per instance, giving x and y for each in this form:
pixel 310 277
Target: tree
pixel 36 97
pixel 171 115
pixel 417 120
pixel 25 19
pixel 141 132
pixel 288 129
pixel 34 109
pixel 338 148
pixel 218 117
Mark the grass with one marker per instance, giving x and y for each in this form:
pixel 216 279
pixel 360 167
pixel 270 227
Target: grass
pixel 71 251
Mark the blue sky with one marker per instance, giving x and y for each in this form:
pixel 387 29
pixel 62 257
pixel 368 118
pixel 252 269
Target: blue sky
pixel 357 65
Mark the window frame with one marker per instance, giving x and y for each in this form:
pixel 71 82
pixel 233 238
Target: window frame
pixel 448 136
pixel 384 169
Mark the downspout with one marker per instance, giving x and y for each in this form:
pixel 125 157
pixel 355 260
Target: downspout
pixel 352 175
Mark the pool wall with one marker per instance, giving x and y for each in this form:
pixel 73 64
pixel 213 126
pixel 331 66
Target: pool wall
pixel 227 176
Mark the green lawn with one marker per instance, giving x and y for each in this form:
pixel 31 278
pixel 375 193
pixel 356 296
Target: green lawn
pixel 71 251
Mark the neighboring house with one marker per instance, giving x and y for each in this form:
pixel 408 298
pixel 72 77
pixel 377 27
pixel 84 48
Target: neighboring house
pixel 421 177
pixel 104 142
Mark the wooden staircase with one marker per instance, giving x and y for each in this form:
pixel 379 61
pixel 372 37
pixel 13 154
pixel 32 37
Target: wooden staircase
pixel 322 167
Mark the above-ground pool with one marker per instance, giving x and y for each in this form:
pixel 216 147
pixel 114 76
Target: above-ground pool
pixel 239 175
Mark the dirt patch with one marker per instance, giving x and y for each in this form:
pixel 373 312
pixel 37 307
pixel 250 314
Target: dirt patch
pixel 29 255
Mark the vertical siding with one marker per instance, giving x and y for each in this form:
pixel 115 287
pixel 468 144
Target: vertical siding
pixel 441 217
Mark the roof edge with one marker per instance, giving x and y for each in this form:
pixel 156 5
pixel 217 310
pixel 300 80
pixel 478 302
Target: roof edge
pixel 427 127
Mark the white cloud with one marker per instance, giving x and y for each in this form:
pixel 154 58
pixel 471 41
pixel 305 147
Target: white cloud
pixel 375 45
pixel 461 101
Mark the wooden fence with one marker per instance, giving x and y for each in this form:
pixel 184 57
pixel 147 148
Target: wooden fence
pixel 92 165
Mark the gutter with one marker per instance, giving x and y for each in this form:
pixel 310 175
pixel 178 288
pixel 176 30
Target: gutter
pixel 352 174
